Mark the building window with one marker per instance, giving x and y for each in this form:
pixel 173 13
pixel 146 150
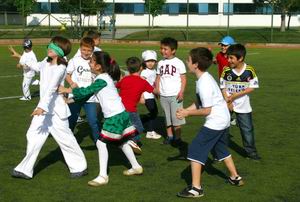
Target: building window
pixel 227 8
pixel 173 9
pixel 139 8
pixel 203 8
pixel 124 8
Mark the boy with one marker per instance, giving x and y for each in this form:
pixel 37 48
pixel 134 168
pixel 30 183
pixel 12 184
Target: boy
pixel 96 36
pixel 27 56
pixel 213 135
pixel 131 88
pixel 237 81
pixel 170 84
pixel 79 75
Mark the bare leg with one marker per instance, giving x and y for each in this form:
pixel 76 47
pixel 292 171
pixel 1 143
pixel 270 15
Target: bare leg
pixel 177 130
pixel 231 167
pixel 196 174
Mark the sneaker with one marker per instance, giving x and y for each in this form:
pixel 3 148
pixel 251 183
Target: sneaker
pixel 233 122
pixel 191 192
pixel 35 82
pixel 136 149
pixel 237 181
pixel 153 135
pixel 254 157
pixel 98 181
pixel 18 174
pixel 79 174
pixel 80 120
pixel 25 98
pixel 133 171
pixel 168 140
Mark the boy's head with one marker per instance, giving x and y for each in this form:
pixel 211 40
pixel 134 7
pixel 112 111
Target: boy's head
pixel 96 36
pixel 236 55
pixel 168 47
pixel 225 43
pixel 86 47
pixel 200 58
pixel 27 44
pixel 134 64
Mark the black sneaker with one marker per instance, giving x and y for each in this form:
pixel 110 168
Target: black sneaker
pixel 168 140
pixel 79 174
pixel 18 174
pixel 191 192
pixel 237 181
pixel 254 157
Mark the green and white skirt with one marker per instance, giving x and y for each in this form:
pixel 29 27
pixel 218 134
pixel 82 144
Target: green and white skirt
pixel 117 129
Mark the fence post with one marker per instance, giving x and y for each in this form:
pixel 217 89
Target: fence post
pixel 187 19
pixel 5 18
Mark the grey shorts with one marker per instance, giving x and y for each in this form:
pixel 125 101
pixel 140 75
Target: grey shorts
pixel 170 105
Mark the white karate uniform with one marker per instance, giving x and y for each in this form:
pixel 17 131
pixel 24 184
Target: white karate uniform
pixel 28 74
pixel 54 121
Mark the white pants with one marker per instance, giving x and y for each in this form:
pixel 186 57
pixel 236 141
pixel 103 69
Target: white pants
pixel 25 86
pixel 37 134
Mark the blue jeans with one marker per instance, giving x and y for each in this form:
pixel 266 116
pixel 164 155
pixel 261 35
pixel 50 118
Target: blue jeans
pixel 137 123
pixel 244 121
pixel 91 113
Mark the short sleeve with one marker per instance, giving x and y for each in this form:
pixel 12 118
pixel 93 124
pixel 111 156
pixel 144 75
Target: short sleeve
pixel 71 66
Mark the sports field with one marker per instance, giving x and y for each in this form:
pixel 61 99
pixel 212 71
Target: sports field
pixel 276 121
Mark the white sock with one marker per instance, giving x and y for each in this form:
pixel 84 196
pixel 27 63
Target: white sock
pixel 103 157
pixel 126 148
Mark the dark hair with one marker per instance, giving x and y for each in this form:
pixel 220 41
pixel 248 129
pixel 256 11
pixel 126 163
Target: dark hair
pixel 238 50
pixel 93 34
pixel 88 42
pixel 202 56
pixel 133 64
pixel 108 64
pixel 65 45
pixel 171 42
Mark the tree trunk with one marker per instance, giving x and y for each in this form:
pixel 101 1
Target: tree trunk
pixel 152 22
pixel 289 21
pixel 282 26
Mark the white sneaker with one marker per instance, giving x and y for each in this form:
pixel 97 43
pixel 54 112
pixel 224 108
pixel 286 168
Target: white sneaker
pixel 25 98
pixel 98 181
pixel 136 149
pixel 233 122
pixel 80 120
pixel 153 135
pixel 35 82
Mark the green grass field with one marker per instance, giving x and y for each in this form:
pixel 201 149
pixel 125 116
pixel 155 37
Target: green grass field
pixel 276 122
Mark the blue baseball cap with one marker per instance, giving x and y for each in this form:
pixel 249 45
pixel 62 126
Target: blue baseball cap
pixel 227 40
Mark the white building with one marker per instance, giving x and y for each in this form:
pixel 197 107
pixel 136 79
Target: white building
pixel 213 13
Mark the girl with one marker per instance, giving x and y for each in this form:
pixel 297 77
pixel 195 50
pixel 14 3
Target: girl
pixel 117 127
pixel 51 114
pixel 149 73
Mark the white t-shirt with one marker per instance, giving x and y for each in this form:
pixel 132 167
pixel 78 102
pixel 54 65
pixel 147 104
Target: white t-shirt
pixel 209 95
pixel 78 53
pixel 235 82
pixel 28 57
pixel 170 71
pixel 150 76
pixel 108 97
pixel 80 73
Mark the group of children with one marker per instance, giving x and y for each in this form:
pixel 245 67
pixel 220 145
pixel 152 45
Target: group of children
pixel 94 77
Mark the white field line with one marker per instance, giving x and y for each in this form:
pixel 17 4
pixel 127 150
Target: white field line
pixel 10 76
pixel 11 97
pixel 253 53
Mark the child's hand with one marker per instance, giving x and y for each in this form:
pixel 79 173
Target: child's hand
pixel 74 85
pixel 181 113
pixel 180 96
pixel 19 66
pixel 37 112
pixel 62 90
pixel 13 52
pixel 142 100
pixel 230 106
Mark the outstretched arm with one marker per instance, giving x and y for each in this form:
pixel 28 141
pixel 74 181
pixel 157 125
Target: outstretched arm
pixel 14 53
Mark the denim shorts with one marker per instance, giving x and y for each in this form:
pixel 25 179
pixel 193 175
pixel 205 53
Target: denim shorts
pixel 207 140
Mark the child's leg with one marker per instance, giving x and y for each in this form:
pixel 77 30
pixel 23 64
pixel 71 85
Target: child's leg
pixel 231 167
pixel 166 106
pixel 177 131
pixel 153 111
pixel 91 112
pixel 130 155
pixel 137 123
pixel 175 105
pixel 25 86
pixel 71 150
pixel 196 174
pixel 75 111
pixel 247 132
pixel 36 136
pixel 103 157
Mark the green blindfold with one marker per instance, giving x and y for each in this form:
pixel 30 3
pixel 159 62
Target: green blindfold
pixel 59 52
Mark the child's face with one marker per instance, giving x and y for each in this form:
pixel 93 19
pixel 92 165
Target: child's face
pixel 192 67
pixel 224 48
pixel 97 41
pixel 233 61
pixel 95 68
pixel 166 51
pixel 150 64
pixel 51 53
pixel 86 52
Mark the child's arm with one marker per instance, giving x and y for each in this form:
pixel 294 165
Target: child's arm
pixel 235 96
pixel 70 81
pixel 183 84
pixel 14 53
pixel 157 81
pixel 192 111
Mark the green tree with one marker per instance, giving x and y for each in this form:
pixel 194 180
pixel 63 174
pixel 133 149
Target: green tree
pixel 25 7
pixel 155 7
pixel 283 6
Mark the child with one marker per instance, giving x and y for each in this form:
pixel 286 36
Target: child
pixel 27 56
pixel 213 135
pixel 237 81
pixel 51 114
pixel 117 127
pixel 170 83
pixel 96 36
pixel 149 73
pixel 131 88
pixel 79 75
pixel 221 58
